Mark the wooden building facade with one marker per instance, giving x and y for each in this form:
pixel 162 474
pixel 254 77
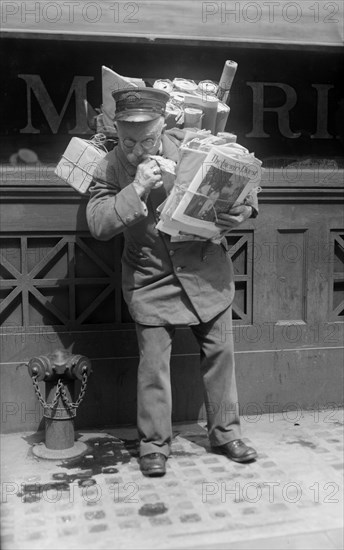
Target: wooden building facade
pixel 61 288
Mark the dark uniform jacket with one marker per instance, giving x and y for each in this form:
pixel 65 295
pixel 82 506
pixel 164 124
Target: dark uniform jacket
pixel 163 282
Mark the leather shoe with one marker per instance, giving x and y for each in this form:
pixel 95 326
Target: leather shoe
pixel 153 464
pixel 236 450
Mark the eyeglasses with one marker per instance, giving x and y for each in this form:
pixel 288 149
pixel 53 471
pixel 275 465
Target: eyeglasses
pixel 146 144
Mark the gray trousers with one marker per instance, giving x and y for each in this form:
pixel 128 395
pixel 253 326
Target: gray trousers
pixel 154 401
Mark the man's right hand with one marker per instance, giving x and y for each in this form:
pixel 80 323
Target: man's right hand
pixel 148 175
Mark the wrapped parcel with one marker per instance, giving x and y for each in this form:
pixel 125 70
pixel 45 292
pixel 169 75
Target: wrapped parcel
pixel 79 162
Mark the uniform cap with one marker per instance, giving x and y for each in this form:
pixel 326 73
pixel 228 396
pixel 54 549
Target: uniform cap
pixel 140 104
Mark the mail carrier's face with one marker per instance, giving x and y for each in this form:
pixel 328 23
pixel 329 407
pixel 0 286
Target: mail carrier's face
pixel 139 139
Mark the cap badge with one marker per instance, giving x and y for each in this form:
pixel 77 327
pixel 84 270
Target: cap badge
pixel 131 97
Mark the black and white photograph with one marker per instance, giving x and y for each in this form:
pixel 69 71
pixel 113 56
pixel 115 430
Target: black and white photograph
pixel 172 275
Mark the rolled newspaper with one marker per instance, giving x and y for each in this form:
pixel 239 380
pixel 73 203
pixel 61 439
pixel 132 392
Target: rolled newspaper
pixel 221 117
pixel 207 87
pixel 177 97
pixel 163 84
pixel 226 79
pixel 208 106
pixel 184 85
pixel 192 117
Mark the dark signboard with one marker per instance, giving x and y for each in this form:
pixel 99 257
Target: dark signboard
pixel 285 102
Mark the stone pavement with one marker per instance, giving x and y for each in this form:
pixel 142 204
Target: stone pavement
pixel 291 497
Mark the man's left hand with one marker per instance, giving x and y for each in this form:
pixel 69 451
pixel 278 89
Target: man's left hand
pixel 236 216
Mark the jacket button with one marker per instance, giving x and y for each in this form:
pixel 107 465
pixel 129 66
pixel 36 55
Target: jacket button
pixel 179 268
pixel 171 252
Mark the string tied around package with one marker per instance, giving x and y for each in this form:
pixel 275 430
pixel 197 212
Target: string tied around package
pixel 99 140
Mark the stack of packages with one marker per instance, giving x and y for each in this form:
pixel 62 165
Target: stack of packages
pixel 194 106
pixel 200 106
pixel 191 105
pixel 213 174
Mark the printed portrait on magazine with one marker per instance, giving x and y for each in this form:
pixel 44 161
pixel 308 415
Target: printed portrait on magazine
pixel 217 193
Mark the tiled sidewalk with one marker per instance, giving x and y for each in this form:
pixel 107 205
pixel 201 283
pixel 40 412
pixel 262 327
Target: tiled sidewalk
pixel 291 497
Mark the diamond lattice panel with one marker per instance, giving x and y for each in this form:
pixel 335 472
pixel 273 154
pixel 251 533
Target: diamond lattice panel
pixel 240 248
pixel 73 280
pixel 338 276
pixel 58 280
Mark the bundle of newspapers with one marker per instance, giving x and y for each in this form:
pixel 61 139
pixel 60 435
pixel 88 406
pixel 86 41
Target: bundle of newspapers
pixel 213 175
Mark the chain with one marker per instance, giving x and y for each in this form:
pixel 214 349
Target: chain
pixel 60 391
pixel 81 394
pixel 40 397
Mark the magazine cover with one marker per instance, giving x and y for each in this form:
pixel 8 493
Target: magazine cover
pixel 224 180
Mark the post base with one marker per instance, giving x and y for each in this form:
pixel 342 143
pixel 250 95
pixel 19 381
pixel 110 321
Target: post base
pixel 42 451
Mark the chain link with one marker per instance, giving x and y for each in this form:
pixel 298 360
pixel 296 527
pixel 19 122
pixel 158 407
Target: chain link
pixel 64 396
pixel 40 397
pixel 60 391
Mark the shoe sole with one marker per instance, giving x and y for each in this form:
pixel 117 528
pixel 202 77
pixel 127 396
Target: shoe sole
pixel 248 458
pixel 154 473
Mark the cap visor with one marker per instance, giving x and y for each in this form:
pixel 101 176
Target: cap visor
pixel 136 117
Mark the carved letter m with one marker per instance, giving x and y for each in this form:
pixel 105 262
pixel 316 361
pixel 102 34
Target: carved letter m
pixel 78 87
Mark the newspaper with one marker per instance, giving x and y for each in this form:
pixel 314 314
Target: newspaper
pixel 221 178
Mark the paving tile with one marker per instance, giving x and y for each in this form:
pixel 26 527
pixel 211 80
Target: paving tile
pixel 152 497
pixel 210 460
pixel 219 514
pixel 67 532
pixel 159 521
pixel 190 518
pixel 129 524
pixel 192 472
pixel 111 505
pixel 100 527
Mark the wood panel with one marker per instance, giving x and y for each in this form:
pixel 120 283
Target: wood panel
pixel 61 289
pixel 180 20
pixel 291 276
